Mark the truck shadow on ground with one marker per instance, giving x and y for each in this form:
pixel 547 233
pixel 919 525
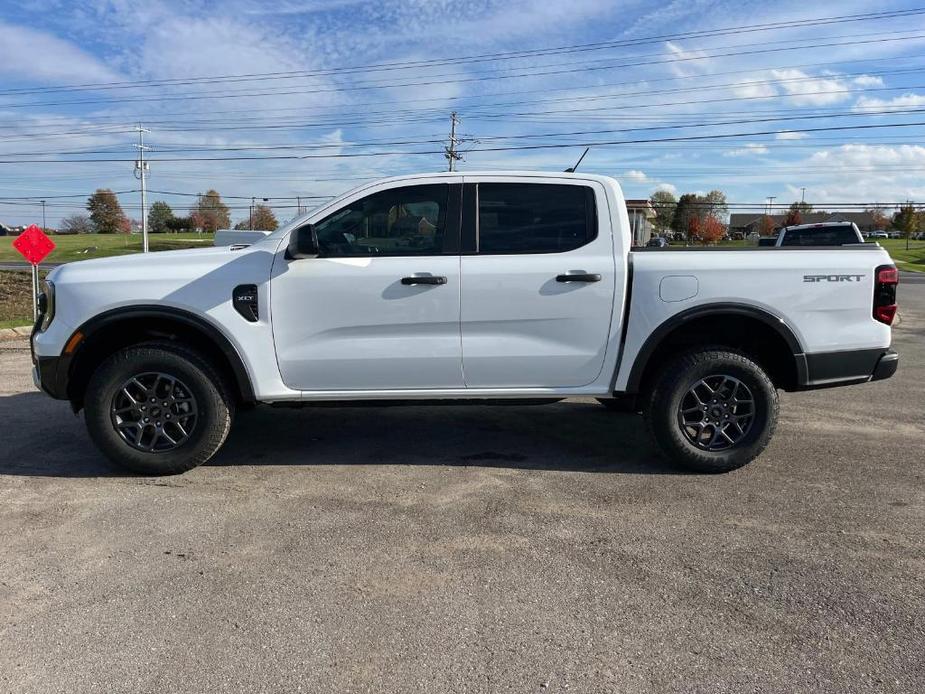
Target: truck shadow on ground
pixel 41 437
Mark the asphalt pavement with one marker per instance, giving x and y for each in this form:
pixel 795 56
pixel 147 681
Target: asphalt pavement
pixel 470 549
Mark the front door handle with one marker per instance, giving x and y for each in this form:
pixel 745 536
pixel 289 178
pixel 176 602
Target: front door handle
pixel 424 279
pixel 578 277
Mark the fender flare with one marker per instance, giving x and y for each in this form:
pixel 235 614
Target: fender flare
pixel 678 320
pixel 187 318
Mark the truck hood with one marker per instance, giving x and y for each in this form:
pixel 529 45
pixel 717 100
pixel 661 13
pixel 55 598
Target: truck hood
pixel 196 279
pixel 182 260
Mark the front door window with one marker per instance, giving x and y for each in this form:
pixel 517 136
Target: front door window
pixel 398 222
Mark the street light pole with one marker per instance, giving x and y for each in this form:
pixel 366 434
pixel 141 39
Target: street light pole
pixel 141 172
pixel 44 225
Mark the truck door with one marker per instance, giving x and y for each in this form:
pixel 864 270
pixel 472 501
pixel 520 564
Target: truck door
pixel 379 308
pixel 538 278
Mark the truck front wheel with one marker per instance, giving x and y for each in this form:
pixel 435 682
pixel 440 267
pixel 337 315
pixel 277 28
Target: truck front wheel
pixel 712 410
pixel 157 409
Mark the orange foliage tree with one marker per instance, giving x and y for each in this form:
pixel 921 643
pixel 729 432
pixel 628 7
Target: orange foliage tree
pixel 793 218
pixel 707 230
pixel 766 226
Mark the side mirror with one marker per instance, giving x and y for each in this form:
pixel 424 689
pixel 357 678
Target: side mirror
pixel 303 243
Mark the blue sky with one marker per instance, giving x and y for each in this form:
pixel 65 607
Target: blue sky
pixel 869 72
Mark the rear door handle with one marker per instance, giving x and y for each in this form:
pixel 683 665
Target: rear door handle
pixel 424 279
pixel 578 277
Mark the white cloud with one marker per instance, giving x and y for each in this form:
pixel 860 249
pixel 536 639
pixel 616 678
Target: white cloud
pixel 791 135
pixel 667 187
pixel 26 54
pixel 688 63
pixel 868 81
pixel 636 175
pixel 805 90
pixel 752 90
pixel 868 172
pixel 909 100
pixel 749 149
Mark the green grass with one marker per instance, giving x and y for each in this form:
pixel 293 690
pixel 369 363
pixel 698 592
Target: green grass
pixel 16 322
pixel 913 259
pixel 86 246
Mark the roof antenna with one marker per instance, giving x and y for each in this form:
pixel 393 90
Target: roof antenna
pixel 571 169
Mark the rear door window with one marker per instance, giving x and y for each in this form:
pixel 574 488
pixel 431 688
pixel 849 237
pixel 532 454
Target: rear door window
pixel 534 217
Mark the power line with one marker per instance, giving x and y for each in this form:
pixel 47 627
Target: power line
pixel 303 110
pixel 707 33
pixel 391 85
pixel 346 155
pixel 455 141
pixel 401 116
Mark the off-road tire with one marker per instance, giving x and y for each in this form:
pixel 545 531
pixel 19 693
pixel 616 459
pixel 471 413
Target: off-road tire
pixel 673 384
pixel 215 407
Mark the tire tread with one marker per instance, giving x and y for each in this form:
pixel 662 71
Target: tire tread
pixel 665 434
pixel 221 402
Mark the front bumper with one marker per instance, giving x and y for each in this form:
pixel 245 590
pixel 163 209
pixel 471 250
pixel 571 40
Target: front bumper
pixel 50 375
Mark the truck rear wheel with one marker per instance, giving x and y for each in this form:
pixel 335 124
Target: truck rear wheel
pixel 157 409
pixel 712 410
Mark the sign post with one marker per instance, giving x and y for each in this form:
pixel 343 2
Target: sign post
pixel 34 245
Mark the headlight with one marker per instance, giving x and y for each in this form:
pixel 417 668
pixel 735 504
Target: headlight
pixel 46 304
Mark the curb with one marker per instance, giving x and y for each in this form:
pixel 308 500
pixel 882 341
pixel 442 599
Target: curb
pixel 15 333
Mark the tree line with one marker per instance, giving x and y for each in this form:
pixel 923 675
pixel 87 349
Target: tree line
pixel 106 216
pixel 701 218
pixel 697 218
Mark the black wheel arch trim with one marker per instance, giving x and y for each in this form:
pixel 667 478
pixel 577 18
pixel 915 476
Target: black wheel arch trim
pixel 672 323
pixel 239 370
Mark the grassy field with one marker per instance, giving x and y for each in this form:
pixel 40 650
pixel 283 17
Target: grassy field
pixel 15 299
pixel 16 287
pixel 913 259
pixel 86 246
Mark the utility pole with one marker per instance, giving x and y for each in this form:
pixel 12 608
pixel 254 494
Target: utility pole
pixel 451 151
pixel 802 195
pixel 44 226
pixel 298 202
pixel 141 173
pixel 251 213
pixel 771 199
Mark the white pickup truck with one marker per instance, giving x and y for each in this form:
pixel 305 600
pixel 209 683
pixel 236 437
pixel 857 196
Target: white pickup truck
pixel 460 286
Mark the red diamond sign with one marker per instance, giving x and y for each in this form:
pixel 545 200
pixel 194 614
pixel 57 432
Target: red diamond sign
pixel 34 244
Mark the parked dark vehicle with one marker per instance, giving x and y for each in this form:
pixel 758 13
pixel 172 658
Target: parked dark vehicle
pixel 657 242
pixel 826 234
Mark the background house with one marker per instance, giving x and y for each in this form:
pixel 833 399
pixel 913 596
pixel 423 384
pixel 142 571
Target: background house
pixel 641 214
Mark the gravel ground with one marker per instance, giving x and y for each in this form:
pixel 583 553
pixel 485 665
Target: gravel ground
pixel 505 549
